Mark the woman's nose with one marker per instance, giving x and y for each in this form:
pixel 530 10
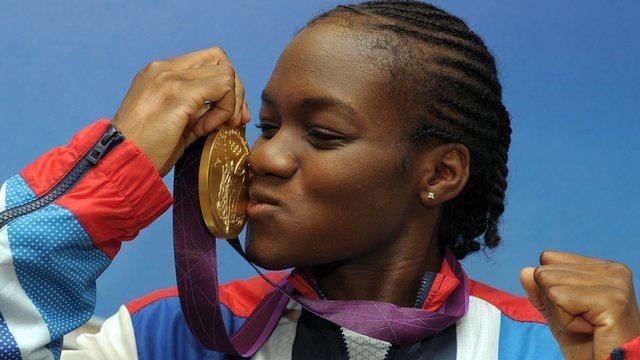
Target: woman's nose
pixel 274 157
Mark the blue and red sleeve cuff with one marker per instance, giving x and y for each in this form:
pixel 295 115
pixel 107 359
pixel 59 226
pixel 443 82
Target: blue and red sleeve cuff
pixel 628 351
pixel 115 200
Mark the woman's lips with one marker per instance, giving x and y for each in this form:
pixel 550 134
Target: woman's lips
pixel 261 202
pixel 257 209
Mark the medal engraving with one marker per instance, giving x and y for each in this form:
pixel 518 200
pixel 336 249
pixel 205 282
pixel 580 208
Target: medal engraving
pixel 224 179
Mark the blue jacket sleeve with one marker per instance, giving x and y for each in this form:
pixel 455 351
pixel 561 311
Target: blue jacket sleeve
pixel 62 220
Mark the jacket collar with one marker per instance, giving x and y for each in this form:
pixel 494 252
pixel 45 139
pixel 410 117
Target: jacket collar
pixel 438 287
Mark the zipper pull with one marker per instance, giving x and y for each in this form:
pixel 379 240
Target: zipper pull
pixel 109 140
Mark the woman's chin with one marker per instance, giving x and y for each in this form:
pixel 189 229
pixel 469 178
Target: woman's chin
pixel 267 257
pixel 267 253
pixel 272 251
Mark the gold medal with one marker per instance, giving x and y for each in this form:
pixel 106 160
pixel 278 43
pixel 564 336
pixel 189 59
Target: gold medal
pixel 223 182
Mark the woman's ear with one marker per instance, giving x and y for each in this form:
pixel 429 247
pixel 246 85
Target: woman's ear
pixel 445 171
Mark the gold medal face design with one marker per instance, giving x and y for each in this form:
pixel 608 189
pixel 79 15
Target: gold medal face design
pixel 223 184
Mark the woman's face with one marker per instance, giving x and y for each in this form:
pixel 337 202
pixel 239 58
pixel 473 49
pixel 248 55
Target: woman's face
pixel 329 156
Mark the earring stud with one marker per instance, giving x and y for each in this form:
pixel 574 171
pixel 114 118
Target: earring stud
pixel 431 195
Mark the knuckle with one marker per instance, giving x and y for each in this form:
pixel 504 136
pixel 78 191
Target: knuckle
pixel 553 294
pixel 621 284
pixel 165 76
pixel 540 275
pixel 227 81
pixel 218 51
pixel 544 255
pixel 618 297
pixel 170 88
pixel 228 69
pixel 155 66
pixel 620 269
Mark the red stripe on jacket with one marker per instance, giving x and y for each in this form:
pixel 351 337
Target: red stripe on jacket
pixel 241 297
pixel 135 305
pixel 515 307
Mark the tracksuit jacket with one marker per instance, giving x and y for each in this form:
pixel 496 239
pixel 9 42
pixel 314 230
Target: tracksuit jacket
pixel 64 216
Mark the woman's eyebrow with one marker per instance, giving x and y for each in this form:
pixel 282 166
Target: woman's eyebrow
pixel 312 104
pixel 323 102
pixel 319 103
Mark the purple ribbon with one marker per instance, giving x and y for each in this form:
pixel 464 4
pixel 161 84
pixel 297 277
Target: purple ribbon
pixel 197 278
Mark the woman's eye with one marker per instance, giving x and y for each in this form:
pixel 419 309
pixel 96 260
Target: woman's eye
pixel 323 135
pixel 268 131
pixel 318 137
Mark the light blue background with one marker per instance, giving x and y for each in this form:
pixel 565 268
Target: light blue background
pixel 569 68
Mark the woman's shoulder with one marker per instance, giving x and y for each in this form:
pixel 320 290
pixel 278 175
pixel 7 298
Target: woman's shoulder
pixel 505 325
pixel 160 327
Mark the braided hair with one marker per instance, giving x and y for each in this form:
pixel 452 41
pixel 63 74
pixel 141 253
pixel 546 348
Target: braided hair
pixel 449 81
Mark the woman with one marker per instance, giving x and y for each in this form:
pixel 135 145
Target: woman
pixel 383 149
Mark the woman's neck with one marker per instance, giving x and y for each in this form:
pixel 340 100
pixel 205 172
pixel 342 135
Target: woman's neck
pixel 391 274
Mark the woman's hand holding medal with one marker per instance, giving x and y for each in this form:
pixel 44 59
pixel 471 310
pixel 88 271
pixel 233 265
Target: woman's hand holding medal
pixel 164 111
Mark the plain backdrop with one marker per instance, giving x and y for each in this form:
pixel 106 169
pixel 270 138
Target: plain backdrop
pixel 569 69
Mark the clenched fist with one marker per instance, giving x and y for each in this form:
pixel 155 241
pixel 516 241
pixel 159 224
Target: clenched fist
pixel 590 304
pixel 164 112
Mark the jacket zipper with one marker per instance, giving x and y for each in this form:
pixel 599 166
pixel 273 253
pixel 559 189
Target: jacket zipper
pixel 423 291
pixel 110 138
pixel 617 354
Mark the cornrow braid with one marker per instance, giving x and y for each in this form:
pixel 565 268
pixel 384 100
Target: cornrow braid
pixel 451 82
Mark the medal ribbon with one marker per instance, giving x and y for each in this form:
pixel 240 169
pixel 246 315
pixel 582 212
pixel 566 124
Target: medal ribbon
pixel 197 278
